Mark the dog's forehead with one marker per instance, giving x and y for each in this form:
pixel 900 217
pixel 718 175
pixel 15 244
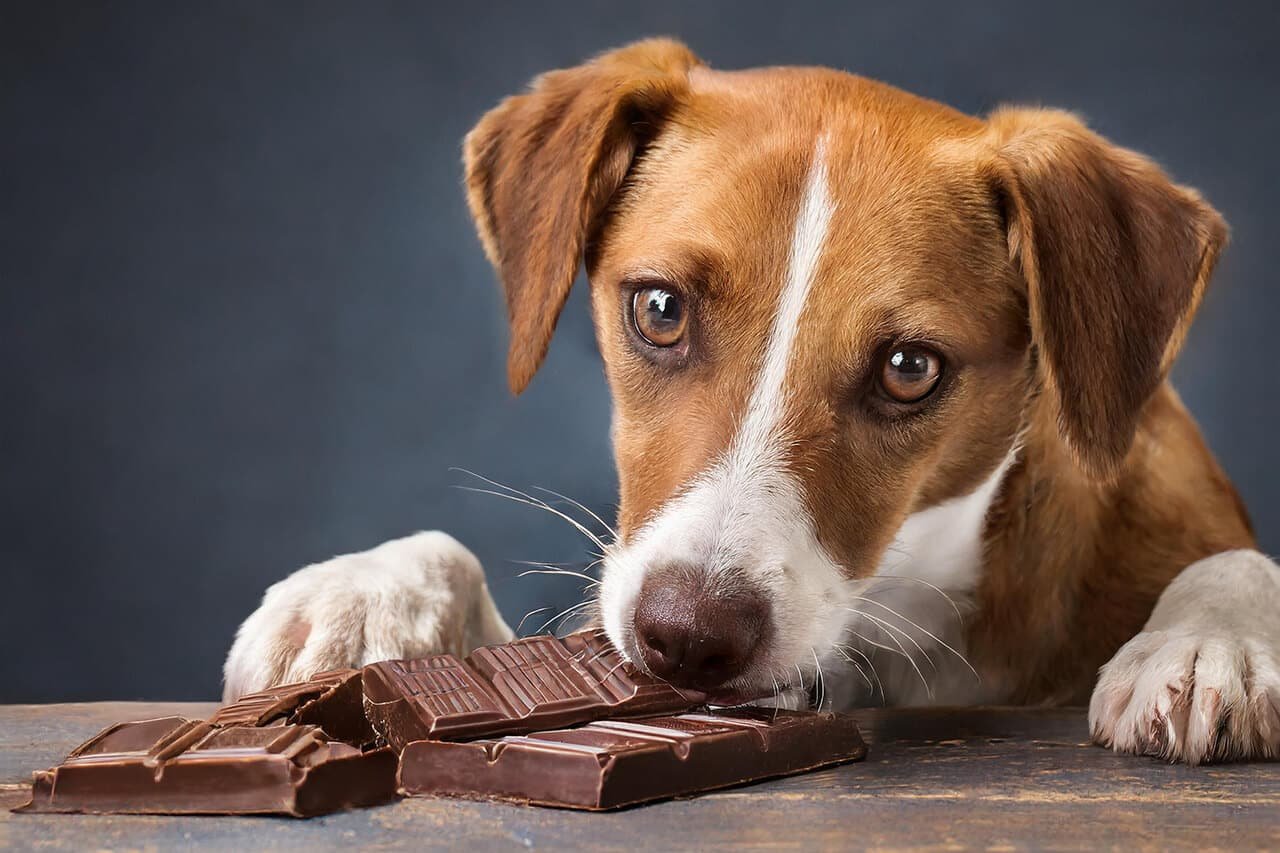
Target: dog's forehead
pixel 914 234
pixel 731 164
pixel 815 94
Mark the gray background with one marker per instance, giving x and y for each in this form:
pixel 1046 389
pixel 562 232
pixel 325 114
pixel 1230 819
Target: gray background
pixel 245 323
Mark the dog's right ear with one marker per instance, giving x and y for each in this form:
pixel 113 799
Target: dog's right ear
pixel 1115 258
pixel 541 168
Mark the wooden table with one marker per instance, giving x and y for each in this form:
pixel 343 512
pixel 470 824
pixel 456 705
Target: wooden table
pixel 991 778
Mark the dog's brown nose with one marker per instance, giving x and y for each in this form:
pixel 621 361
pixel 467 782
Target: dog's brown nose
pixel 694 635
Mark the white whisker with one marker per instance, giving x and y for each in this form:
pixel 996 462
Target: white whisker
pixel 537 504
pixel 870 665
pixel 527 615
pixel 864 638
pixel 922 582
pixel 566 612
pixel 910 639
pixel 820 682
pixel 925 631
pixel 840 651
pixel 615 668
pixel 548 564
pixel 513 494
pixel 884 627
pixel 590 580
pixel 580 506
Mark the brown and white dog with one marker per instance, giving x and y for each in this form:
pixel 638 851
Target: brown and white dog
pixel 890 407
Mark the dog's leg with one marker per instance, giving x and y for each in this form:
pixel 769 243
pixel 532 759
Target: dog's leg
pixel 410 597
pixel 1202 680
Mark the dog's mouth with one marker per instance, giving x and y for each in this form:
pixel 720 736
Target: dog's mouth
pixel 724 696
pixel 780 695
pixel 730 698
pixel 735 694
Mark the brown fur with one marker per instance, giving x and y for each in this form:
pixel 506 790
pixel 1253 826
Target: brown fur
pixel 540 169
pixel 1115 258
pixel 1056 273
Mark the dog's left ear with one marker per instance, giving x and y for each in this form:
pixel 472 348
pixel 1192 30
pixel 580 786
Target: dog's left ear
pixel 542 167
pixel 1115 258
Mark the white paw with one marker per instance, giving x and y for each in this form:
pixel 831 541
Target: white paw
pixel 424 594
pixel 1190 696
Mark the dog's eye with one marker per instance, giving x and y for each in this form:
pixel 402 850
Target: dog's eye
pixel 910 373
pixel 659 316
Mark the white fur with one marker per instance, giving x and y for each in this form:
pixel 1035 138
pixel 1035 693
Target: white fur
pixel 424 594
pixel 943 544
pixel 744 519
pixel 757 438
pixel 1202 680
pixel 912 609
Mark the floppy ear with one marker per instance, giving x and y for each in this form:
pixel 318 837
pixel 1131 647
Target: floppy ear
pixel 1115 259
pixel 541 167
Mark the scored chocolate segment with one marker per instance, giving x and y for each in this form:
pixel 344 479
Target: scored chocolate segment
pixel 637 693
pixel 177 766
pixel 534 683
pixel 429 697
pixel 615 763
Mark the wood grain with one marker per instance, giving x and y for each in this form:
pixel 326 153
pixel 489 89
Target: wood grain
pixel 935 779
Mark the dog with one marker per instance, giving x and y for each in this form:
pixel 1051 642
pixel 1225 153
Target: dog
pixel 891 412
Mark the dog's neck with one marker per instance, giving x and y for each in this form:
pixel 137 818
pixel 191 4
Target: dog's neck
pixel 1072 564
pixel 1034 553
pixel 943 545
pixel 915 605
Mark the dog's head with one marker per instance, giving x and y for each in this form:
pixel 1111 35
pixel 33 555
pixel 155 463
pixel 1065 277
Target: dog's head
pixel 826 307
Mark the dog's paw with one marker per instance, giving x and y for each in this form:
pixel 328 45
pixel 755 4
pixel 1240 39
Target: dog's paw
pixel 1185 696
pixel 424 594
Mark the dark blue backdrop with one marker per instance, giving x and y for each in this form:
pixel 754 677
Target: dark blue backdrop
pixel 245 323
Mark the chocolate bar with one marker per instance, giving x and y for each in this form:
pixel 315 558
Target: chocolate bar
pixel 615 763
pixel 530 684
pixel 331 700
pixel 173 765
pixel 300 749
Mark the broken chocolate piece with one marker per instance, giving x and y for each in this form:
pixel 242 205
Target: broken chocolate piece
pixel 614 763
pixel 173 765
pixel 265 706
pixel 535 683
pixel 331 700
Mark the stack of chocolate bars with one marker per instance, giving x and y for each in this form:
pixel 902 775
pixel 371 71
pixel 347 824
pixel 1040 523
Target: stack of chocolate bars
pixel 556 722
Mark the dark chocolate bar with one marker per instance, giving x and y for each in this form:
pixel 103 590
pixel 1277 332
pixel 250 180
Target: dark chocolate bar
pixel 331 700
pixel 614 763
pixel 173 765
pixel 535 683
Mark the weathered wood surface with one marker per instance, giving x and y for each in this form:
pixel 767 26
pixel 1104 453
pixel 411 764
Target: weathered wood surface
pixel 981 779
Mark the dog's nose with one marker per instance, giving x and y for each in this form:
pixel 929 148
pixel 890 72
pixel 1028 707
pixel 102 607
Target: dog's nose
pixel 696 636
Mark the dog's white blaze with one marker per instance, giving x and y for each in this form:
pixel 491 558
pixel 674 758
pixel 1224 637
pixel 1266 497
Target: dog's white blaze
pixel 758 431
pixel 745 513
